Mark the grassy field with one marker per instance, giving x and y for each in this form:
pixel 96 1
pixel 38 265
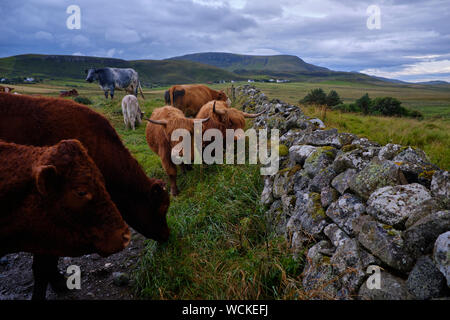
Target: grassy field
pixel 220 247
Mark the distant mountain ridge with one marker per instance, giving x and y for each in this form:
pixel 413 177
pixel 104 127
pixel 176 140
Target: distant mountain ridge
pixel 235 62
pixel 193 68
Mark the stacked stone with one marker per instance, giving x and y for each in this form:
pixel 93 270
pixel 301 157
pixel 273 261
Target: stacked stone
pixel 354 204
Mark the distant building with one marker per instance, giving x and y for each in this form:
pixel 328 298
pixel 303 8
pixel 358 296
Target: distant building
pixel 29 79
pixel 271 80
pixel 282 80
pixel 250 80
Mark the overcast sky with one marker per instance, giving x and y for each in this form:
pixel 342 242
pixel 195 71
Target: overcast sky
pixel 413 43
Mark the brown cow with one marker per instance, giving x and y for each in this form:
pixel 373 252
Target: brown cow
pixel 158 132
pixel 222 117
pixel 54 202
pixel 42 121
pixel 190 98
pixel 70 93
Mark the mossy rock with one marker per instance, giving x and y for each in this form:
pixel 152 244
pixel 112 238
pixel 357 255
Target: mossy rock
pixel 283 150
pixel 350 147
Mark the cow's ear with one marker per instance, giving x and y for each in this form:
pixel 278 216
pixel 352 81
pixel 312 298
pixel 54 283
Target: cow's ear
pixel 45 178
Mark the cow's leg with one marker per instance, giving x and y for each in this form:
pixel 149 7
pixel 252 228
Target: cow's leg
pixel 45 269
pixel 106 94
pixel 186 167
pixel 111 92
pixel 171 171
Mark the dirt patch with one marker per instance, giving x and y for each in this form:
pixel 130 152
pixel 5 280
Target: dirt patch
pixel 97 279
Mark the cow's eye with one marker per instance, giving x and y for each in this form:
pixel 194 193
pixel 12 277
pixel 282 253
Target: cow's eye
pixel 82 193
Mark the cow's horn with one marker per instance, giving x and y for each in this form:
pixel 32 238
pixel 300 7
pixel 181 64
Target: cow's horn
pixel 252 115
pixel 160 122
pixel 221 112
pixel 201 120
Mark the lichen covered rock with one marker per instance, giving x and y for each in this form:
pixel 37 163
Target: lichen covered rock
pixel 328 195
pixel 321 158
pixel 440 187
pixel 309 216
pixel 441 255
pixel 385 243
pixel 421 236
pixel 375 175
pixel 345 210
pixel 342 181
pixel 425 281
pixel 415 165
pixel 393 205
pixel 391 288
pixel 299 153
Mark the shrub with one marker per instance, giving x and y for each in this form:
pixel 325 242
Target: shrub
pixel 333 99
pixel 364 104
pixel 82 100
pixel 388 106
pixel 315 96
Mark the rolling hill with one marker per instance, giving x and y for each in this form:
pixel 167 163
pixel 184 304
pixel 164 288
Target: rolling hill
pixel 236 62
pixel 73 67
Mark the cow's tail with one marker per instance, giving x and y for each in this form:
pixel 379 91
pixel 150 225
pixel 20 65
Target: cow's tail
pixel 140 90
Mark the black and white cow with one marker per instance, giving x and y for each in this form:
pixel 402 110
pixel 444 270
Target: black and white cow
pixel 110 79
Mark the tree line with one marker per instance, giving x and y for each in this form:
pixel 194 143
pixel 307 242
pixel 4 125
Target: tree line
pixel 384 106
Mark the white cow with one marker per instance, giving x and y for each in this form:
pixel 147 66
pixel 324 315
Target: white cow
pixel 131 111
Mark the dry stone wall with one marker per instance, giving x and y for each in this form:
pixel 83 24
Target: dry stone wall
pixel 352 203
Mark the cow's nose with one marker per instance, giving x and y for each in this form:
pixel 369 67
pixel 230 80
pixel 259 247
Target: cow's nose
pixel 126 237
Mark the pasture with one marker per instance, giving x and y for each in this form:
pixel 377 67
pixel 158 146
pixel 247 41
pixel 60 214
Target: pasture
pixel 220 247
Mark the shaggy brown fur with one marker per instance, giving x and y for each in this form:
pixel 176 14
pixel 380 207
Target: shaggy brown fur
pixel 158 138
pixel 41 121
pixel 54 203
pixel 190 98
pixel 230 119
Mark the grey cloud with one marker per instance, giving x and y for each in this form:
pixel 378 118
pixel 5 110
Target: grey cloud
pixel 328 33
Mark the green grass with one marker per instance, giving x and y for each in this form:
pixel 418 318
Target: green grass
pixel 219 247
